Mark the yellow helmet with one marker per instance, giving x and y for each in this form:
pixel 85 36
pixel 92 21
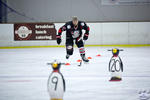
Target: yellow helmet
pixel 114 51
pixel 54 64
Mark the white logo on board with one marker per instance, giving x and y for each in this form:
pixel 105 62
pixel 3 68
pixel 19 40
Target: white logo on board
pixel 23 32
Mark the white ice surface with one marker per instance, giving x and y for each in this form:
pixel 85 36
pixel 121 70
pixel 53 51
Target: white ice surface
pixel 24 74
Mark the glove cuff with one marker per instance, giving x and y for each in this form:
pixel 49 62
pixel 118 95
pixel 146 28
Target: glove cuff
pixel 58 36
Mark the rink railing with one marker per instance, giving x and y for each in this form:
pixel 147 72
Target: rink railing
pixel 124 34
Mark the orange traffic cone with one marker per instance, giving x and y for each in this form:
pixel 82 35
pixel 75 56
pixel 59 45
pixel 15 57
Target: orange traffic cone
pixel 98 55
pixel 67 64
pixel 79 60
pixel 89 57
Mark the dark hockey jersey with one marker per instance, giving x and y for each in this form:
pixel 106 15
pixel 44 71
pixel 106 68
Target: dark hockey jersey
pixel 72 31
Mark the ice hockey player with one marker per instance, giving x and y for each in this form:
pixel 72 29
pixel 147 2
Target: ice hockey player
pixel 74 33
pixel 56 82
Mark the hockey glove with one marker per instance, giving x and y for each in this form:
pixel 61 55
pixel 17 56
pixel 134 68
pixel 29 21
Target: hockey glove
pixel 85 37
pixel 58 40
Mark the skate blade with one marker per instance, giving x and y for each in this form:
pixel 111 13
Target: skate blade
pixel 86 62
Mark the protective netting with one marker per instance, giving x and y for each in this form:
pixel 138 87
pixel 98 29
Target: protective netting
pixel 5 9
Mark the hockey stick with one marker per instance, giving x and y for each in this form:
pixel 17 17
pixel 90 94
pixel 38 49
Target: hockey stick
pixel 80 63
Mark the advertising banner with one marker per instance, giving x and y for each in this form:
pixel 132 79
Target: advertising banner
pixel 34 31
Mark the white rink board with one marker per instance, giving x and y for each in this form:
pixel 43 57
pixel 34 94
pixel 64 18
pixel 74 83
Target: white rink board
pixel 100 34
pixel 141 30
pixel 95 36
pixel 115 33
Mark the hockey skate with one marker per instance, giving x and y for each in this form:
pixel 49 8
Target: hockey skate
pixel 84 58
pixel 67 56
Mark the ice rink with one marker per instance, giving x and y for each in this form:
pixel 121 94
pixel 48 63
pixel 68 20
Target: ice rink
pixel 24 74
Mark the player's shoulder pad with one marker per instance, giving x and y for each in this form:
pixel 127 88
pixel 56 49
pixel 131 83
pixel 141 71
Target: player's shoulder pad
pixel 82 23
pixel 68 24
